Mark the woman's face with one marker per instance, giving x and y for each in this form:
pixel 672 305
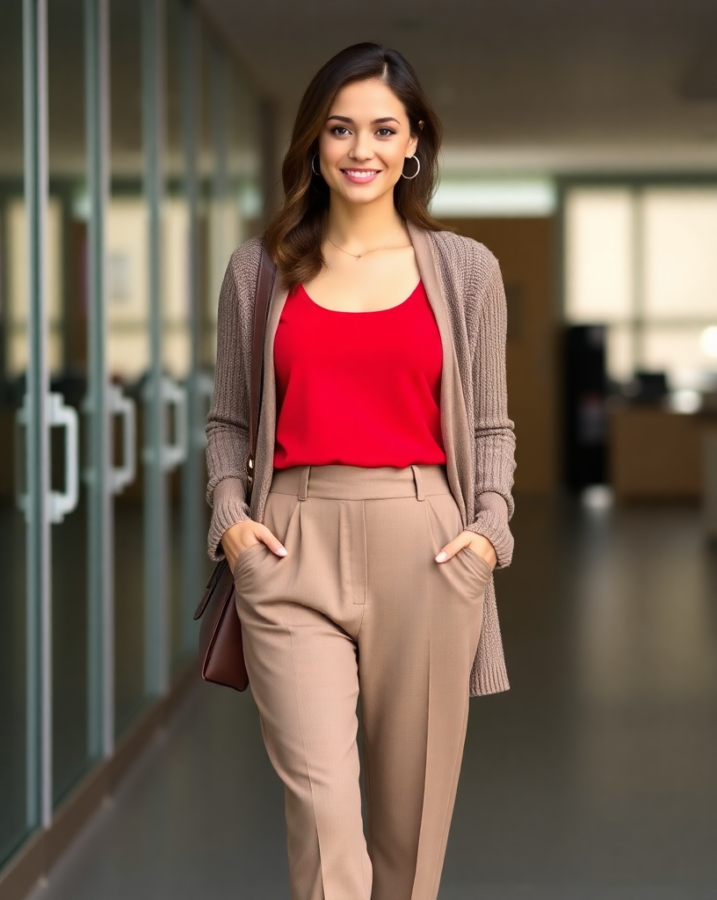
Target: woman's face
pixel 364 142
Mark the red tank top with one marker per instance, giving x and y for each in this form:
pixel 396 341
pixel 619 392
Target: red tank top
pixel 359 389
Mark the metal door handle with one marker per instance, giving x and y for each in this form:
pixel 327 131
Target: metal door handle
pixel 174 454
pixel 62 416
pixel 121 405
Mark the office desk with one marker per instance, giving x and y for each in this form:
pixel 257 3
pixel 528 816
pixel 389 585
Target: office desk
pixel 656 453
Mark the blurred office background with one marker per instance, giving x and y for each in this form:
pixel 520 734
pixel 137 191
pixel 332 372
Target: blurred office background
pixel 140 142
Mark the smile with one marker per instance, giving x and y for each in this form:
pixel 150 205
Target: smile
pixel 360 176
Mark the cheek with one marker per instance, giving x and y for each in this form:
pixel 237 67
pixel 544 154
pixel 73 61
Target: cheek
pixel 398 154
pixel 396 159
pixel 329 150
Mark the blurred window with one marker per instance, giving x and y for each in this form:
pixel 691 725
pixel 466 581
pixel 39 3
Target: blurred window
pixel 643 260
pixel 680 253
pixel 599 260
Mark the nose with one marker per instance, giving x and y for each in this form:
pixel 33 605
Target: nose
pixel 361 150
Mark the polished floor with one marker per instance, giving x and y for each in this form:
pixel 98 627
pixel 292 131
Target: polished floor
pixel 594 778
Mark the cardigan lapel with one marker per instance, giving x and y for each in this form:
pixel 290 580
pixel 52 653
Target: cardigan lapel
pixel 454 419
pixel 266 436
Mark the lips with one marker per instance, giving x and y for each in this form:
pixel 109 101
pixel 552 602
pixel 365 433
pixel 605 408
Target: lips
pixel 360 176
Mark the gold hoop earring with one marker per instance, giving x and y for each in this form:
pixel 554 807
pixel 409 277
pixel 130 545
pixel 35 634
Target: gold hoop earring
pixel 418 169
pixel 313 158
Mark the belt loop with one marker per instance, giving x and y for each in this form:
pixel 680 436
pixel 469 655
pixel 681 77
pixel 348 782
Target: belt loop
pixel 304 483
pixel 417 479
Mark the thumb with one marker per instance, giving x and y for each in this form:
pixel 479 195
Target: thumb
pixel 272 542
pixel 447 551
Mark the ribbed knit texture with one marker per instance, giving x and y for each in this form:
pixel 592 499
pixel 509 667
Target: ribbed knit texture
pixel 470 280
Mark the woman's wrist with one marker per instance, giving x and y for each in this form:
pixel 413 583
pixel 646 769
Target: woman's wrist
pixel 482 545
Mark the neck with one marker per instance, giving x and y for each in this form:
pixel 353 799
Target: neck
pixel 363 227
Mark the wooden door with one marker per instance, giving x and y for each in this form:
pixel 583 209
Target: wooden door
pixel 525 250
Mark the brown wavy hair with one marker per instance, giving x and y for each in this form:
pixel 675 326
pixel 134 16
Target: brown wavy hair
pixel 295 232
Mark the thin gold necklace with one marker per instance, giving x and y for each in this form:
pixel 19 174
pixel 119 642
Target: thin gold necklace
pixel 372 250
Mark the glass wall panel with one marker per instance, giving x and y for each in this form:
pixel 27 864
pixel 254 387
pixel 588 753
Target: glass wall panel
pixel 244 155
pixel 128 351
pixel 217 213
pixel 237 204
pixel 207 195
pixel 183 81
pixel 18 808
pixel 72 749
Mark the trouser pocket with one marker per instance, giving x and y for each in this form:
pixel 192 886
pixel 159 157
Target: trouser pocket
pixel 246 555
pixel 466 567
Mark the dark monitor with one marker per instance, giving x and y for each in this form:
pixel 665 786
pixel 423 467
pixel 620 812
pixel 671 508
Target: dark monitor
pixel 650 387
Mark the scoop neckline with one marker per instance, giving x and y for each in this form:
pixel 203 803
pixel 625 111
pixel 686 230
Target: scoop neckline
pixel 366 312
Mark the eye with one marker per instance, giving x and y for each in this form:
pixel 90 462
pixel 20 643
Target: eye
pixel 339 130
pixel 385 132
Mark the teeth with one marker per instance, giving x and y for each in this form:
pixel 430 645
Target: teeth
pixel 360 174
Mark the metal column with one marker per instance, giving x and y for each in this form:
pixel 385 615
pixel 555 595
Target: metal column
pixel 39 619
pixel 100 580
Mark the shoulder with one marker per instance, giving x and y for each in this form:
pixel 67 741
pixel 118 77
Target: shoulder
pixel 468 257
pixel 239 284
pixel 470 272
pixel 244 261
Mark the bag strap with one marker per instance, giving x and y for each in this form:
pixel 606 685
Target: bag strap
pixel 264 286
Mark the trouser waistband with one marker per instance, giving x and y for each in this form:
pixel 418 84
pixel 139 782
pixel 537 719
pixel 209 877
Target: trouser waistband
pixel 343 482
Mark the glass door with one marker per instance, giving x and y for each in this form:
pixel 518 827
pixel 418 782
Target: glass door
pixel 73 467
pixel 128 174
pixel 20 766
pixel 195 87
pixel 129 355
pixel 178 292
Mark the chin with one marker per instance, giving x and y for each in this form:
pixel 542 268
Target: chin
pixel 360 196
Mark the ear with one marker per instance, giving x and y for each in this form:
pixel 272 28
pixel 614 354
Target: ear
pixel 412 145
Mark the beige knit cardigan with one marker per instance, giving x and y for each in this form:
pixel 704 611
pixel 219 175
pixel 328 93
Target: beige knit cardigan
pixel 464 286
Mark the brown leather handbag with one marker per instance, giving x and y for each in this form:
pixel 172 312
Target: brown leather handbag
pixel 221 650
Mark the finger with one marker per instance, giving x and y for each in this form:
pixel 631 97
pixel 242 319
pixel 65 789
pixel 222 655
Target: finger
pixel 447 552
pixel 272 542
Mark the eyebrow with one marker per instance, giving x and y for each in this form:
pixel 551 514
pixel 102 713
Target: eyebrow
pixel 375 121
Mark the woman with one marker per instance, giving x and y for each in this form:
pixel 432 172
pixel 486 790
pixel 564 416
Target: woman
pixel 382 492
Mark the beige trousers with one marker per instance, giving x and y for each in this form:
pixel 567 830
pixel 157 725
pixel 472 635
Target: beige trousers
pixel 360 605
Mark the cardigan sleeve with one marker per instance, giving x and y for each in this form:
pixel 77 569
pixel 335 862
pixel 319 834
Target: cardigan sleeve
pixel 494 437
pixel 227 427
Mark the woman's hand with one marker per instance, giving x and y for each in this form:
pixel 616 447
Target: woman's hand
pixel 241 536
pixel 477 543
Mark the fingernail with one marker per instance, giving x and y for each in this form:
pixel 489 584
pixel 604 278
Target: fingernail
pixel 281 551
pixel 442 556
